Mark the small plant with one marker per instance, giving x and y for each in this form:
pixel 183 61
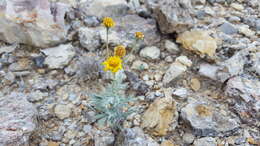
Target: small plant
pixel 108 22
pixel 112 104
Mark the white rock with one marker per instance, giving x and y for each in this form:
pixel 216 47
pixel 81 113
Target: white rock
pixel 171 46
pixel 181 92
pixel 58 57
pixel 244 29
pixel 150 53
pixel 175 70
pixel 237 6
pixel 62 111
pixel 139 65
pixel 205 141
pixel 209 71
pixel 184 60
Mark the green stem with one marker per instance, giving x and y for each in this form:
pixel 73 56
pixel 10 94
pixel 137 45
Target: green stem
pixel 107 43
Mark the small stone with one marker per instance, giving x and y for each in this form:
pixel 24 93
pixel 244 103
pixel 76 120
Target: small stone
pixel 167 143
pixel 169 59
pixel 51 143
pixel 257 24
pixel 62 111
pixel 58 57
pixel 134 137
pixel 184 60
pixel 198 41
pixel 209 71
pixel 234 19
pixel 244 29
pixel 91 21
pixel 139 65
pixel 195 84
pixel 171 47
pixel 87 129
pixel 237 6
pixel 188 138
pixel 158 117
pixel 181 92
pixel 228 28
pixel 39 61
pixel 176 69
pixel 150 53
pixel 206 141
pixel 89 38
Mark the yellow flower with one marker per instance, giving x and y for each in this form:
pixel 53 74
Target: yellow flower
pixel 113 64
pixel 139 35
pixel 120 51
pixel 108 22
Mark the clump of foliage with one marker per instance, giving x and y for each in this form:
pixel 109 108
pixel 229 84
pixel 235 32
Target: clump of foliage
pixel 112 104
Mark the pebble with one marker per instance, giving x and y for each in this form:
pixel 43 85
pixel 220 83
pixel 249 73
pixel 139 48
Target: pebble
pixel 228 28
pixel 171 47
pixel 62 111
pixel 151 53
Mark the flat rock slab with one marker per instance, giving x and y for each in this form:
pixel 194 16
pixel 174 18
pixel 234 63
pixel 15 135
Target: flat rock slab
pixel 16 120
pixel 206 120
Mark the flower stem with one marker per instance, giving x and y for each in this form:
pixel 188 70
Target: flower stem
pixel 107 42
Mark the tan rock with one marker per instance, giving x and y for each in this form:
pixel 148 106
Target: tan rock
pixel 198 41
pixel 51 143
pixel 167 143
pixel 159 116
pixel 195 84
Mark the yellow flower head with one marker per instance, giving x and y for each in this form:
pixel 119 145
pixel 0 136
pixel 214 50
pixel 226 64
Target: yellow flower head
pixel 120 51
pixel 113 64
pixel 139 35
pixel 108 22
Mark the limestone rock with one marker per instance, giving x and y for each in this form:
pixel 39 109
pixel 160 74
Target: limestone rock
pixel 198 41
pixel 171 47
pixel 205 121
pixel 158 117
pixel 104 8
pixel 89 38
pixel 59 57
pixel 62 111
pixel 139 65
pixel 18 119
pixel 135 137
pixel 151 53
pixel 177 68
pixel 205 141
pixel 126 26
pixel 103 138
pixel 173 16
pixel 33 22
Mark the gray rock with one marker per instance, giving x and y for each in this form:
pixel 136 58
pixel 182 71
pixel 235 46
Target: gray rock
pixel 91 21
pixel 228 28
pixel 226 69
pixel 18 120
pixel 87 128
pixel 188 138
pixel 135 137
pixel 181 92
pixel 103 138
pixel 44 84
pixel 258 24
pixel 125 28
pixel 206 121
pixel 151 53
pixel 244 88
pixel 177 68
pixel 173 16
pixel 59 57
pixel 89 38
pixel 36 96
pixel 62 111
pixel 171 47
pixel 33 22
pixel 205 141
pixel 104 8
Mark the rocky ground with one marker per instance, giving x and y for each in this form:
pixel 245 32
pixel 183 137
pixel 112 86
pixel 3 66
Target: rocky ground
pixel 196 76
